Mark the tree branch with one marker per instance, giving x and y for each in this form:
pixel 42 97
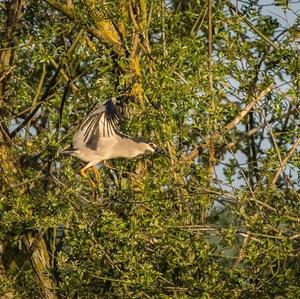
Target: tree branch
pixel 44 97
pixel 233 123
pixel 283 163
pixel 258 32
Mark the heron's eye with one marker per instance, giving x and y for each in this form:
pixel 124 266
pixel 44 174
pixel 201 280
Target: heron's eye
pixel 152 145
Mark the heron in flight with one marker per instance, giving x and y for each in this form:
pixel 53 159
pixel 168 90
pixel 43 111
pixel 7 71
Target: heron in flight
pixel 97 139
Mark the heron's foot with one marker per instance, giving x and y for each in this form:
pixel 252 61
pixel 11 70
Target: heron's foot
pixel 93 182
pixel 83 173
pixel 97 174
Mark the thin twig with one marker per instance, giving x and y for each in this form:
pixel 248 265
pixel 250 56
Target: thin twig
pixel 248 108
pixel 163 33
pixel 44 97
pixel 284 162
pixel 210 44
pixel 211 159
pixel 258 32
pixel 6 73
pixel 233 123
pixel 200 20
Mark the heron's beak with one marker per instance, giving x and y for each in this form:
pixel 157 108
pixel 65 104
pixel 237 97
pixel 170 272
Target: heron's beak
pixel 161 151
pixel 67 151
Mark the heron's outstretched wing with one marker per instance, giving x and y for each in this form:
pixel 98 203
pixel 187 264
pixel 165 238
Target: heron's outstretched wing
pixel 100 123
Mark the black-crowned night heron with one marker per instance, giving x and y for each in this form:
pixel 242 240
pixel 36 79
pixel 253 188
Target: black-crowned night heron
pixel 98 140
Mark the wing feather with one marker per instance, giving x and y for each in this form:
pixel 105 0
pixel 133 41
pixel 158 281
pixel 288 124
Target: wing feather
pixel 101 122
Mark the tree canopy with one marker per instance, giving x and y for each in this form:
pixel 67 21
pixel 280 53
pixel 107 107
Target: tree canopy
pixel 214 83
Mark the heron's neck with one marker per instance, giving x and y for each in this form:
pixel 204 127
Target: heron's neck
pixel 130 148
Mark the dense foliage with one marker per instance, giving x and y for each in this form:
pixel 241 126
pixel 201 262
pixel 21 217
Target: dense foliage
pixel 216 85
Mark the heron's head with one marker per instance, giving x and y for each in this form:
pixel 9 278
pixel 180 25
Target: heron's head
pixel 73 152
pixel 152 147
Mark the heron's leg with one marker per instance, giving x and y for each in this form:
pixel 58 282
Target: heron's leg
pixel 93 184
pixel 83 172
pixel 97 174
